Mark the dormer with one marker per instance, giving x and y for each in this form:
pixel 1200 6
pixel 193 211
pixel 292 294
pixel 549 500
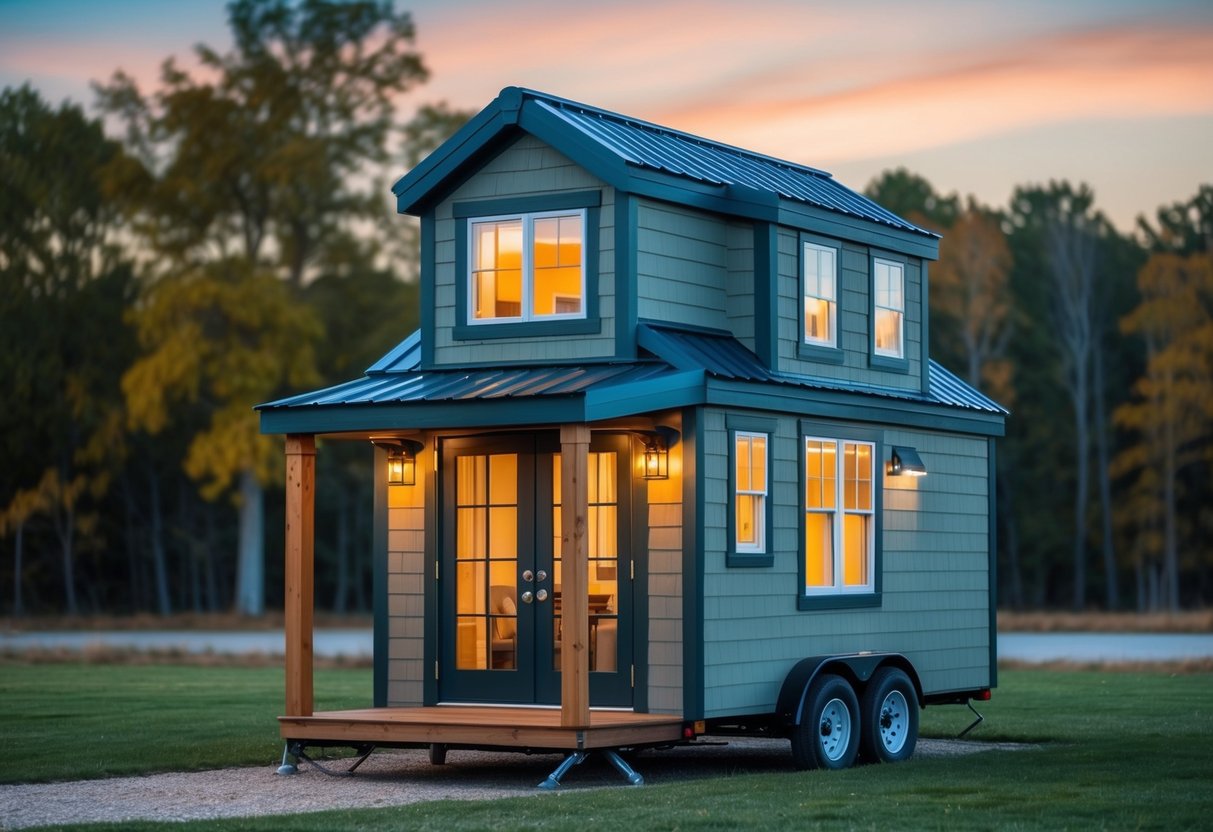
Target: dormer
pixel 551 231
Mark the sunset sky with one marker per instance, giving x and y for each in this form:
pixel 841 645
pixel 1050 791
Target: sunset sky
pixel 975 96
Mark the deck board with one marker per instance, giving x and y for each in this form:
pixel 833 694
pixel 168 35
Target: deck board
pixel 484 726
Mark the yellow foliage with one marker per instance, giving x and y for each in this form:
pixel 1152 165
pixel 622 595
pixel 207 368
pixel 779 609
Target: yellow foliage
pixel 228 337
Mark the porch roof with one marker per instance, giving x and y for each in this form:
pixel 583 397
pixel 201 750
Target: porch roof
pixel 688 367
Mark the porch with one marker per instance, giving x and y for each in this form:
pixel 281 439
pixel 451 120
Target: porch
pixel 537 729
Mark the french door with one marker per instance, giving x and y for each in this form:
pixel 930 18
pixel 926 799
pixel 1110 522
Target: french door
pixel 500 572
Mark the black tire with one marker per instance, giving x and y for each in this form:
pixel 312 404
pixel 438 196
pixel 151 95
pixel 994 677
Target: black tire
pixel 828 734
pixel 437 754
pixel 888 717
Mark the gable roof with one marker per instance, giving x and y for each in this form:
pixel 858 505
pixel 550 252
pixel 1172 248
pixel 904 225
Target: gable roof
pixel 645 158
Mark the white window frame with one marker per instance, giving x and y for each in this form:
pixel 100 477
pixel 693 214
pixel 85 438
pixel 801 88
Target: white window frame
pixel 898 269
pixel 759 546
pixel 527 221
pixel 839 512
pixel 816 250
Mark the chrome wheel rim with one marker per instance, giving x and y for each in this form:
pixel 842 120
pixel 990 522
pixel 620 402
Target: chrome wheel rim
pixel 894 722
pixel 835 730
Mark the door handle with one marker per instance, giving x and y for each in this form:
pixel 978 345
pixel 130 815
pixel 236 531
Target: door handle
pixel 529 576
pixel 541 595
pixel 542 576
pixel 527 596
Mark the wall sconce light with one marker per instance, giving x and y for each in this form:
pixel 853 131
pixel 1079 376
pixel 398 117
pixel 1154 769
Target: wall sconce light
pixel 401 459
pixel 657 444
pixel 656 457
pixel 906 462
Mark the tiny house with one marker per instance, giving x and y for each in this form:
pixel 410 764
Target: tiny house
pixel 667 457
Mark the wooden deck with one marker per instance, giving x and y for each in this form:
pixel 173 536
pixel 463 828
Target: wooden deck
pixel 482 727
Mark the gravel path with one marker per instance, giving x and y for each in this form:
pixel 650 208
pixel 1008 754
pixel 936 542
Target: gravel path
pixel 388 778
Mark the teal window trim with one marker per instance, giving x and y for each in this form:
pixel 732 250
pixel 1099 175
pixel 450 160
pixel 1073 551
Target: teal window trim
pixel 753 425
pixel 590 324
pixel 849 600
pixel 888 362
pixel 821 353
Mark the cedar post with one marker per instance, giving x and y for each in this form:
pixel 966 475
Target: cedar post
pixel 575 574
pixel 300 570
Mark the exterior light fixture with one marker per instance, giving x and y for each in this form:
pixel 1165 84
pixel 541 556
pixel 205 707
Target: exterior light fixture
pixel 906 462
pixel 401 459
pixel 656 458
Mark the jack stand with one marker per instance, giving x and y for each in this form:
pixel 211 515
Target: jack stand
pixel 291 751
pixel 363 751
pixel 980 719
pixel 578 757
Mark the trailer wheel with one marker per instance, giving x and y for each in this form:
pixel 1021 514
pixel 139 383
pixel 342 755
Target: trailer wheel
pixel 889 721
pixel 438 754
pixel 828 734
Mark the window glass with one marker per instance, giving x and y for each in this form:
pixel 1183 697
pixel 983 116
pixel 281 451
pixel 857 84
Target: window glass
pixel 839 546
pixel 527 267
pixel 820 295
pixel 750 495
pixel 888 285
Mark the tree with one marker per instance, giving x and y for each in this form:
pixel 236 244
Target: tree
pixel 1063 223
pixel 258 165
pixel 63 288
pixel 1172 408
pixel 914 198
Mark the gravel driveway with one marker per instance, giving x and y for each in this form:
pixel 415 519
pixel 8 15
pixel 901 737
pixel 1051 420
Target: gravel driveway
pixel 388 778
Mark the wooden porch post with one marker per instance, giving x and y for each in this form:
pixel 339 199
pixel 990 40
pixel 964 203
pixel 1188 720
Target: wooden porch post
pixel 300 571
pixel 575 574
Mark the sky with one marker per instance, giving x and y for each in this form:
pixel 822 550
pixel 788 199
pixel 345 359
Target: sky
pixel 978 97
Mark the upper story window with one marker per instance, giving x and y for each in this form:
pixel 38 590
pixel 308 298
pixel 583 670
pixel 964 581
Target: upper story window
pixel 527 267
pixel 888 308
pixel 840 508
pixel 820 283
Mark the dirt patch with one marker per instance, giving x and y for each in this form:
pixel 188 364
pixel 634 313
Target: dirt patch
pixel 388 778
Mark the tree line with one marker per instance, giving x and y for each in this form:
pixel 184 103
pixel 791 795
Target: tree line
pixel 234 246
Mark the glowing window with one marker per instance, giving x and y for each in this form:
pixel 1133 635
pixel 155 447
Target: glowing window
pixel 820 281
pixel 527 267
pixel 889 305
pixel 839 504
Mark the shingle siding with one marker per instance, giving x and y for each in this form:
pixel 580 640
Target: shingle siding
pixel 406 595
pixel 935 603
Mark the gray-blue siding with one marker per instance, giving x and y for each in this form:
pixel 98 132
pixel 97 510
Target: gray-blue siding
pixel 935 605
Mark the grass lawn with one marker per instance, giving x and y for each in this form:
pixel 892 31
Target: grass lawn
pixel 1119 751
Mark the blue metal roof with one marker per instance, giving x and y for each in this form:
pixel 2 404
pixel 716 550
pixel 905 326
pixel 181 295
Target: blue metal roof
pixel 395 379
pixel 652 146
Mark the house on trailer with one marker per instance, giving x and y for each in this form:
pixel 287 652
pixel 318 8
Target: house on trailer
pixel 653 465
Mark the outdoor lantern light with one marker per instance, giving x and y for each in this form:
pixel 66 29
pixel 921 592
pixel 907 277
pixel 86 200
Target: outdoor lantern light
pixel 906 462
pixel 401 460
pixel 656 458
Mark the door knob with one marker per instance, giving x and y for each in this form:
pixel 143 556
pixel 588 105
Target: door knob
pixel 529 576
pixel 527 596
pixel 542 576
pixel 541 595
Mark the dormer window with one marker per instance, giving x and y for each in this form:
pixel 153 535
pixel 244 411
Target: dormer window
pixel 889 307
pixel 820 295
pixel 527 267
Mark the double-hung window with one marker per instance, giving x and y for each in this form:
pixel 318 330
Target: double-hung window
pixel 840 503
pixel 820 282
pixel 888 308
pixel 750 479
pixel 527 267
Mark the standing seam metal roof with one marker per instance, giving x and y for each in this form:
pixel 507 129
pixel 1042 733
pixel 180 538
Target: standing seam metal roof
pixel 659 148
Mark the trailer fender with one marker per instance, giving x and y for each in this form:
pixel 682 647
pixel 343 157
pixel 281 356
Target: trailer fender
pixel 856 668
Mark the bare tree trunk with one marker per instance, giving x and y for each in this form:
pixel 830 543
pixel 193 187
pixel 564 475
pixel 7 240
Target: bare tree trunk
pixel 66 529
pixel 250 564
pixel 1103 460
pixel 18 570
pixel 213 602
pixel 1170 531
pixel 164 603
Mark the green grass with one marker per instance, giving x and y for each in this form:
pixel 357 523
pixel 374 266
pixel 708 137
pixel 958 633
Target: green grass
pixel 80 721
pixel 1118 751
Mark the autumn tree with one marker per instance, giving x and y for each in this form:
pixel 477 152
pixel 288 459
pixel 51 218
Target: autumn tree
pixel 63 289
pixel 253 166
